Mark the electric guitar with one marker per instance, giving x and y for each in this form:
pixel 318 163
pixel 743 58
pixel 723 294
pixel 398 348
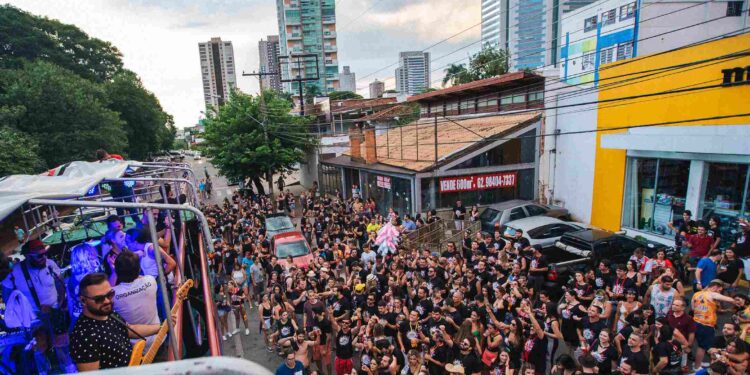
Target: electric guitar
pixel 137 357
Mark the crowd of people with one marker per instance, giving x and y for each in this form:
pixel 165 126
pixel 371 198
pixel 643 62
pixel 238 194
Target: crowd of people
pixel 477 308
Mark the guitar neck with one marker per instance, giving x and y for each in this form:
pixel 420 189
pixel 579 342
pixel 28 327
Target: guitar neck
pixel 159 338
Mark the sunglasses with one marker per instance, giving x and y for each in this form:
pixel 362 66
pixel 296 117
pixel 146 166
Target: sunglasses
pixel 100 298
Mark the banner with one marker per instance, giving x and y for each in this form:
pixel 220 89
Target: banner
pixel 383 182
pixel 478 182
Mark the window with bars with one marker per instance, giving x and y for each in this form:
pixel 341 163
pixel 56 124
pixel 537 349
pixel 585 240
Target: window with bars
pixel 734 8
pixel 588 61
pixel 627 11
pixel 609 17
pixel 624 51
pixel 589 23
pixel 607 55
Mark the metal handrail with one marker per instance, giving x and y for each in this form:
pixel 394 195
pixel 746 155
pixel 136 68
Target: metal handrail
pixel 213 343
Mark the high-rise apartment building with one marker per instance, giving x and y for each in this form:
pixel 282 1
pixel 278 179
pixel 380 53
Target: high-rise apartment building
pixel 217 69
pixel 413 72
pixel 309 27
pixel 377 88
pixel 348 81
pixel 269 62
pixel 528 29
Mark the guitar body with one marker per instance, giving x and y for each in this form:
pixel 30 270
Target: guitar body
pixel 137 357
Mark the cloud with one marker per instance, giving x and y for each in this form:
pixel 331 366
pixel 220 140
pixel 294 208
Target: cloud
pixel 159 39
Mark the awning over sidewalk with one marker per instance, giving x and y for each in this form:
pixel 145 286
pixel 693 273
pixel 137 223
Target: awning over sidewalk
pixel 707 139
pixel 73 179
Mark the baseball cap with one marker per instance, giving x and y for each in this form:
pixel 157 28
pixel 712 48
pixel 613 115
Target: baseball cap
pixel 311 274
pixel 34 246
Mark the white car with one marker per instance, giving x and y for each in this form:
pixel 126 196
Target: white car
pixel 543 230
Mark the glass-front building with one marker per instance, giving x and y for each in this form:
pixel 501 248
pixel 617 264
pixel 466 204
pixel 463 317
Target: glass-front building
pixel 659 189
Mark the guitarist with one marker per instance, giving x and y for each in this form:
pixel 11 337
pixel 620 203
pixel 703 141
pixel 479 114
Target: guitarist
pixel 100 338
pixel 135 295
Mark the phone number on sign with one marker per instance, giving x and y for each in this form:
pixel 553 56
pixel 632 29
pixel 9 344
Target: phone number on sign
pixel 478 182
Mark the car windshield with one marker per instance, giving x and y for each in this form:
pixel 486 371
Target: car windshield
pixel 291 249
pixel 277 223
pixel 489 215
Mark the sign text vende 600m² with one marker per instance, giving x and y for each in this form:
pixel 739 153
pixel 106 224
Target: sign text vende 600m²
pixel 478 182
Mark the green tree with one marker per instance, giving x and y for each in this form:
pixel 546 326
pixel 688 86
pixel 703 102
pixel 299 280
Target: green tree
pixel 311 91
pixel 20 153
pixel 247 142
pixel 343 95
pixel 67 115
pixel 145 121
pixel 456 75
pixel 26 37
pixel 487 63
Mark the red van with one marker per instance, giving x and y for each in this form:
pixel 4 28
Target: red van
pixel 292 244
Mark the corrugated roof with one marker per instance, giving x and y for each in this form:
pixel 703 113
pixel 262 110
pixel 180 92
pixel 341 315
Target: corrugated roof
pixel 473 85
pixel 452 139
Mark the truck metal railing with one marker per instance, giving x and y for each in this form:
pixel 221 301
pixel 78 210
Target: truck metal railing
pixel 175 336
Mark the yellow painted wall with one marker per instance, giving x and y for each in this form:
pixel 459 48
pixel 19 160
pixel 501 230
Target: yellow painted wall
pixel 609 170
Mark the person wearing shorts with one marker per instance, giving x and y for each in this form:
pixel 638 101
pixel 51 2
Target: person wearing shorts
pixel 704 314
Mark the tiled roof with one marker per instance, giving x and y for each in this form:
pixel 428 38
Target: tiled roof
pixel 452 139
pixel 389 113
pixel 473 85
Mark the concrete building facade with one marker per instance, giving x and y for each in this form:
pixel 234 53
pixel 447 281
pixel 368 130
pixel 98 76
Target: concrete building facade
pixel 413 72
pixel 376 89
pixel 268 51
pixel 347 80
pixel 217 71
pixel 309 27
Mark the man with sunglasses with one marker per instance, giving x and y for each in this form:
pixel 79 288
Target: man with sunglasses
pixel 100 337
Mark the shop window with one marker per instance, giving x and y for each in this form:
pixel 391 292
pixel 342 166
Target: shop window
pixel 726 196
pixel 655 191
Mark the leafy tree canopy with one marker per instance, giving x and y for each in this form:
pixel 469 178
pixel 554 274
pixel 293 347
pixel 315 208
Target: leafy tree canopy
pixel 489 62
pixel 247 139
pixel 26 37
pixel 68 115
pixel 343 95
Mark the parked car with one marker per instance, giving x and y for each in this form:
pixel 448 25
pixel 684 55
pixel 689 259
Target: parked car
pixel 278 223
pixel 292 244
pixel 498 214
pixel 543 230
pixel 584 249
pixel 196 155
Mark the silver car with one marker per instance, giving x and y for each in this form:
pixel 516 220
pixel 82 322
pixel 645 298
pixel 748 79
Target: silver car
pixel 498 214
pixel 543 230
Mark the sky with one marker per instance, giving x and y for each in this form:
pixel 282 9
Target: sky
pixel 159 39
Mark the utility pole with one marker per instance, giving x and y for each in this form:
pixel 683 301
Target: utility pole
pixel 263 117
pixel 300 77
pixel 436 141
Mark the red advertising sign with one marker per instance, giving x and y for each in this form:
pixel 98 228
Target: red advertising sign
pixel 383 182
pixel 478 182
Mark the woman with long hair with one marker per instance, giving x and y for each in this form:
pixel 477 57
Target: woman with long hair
pixel 265 313
pixel 551 327
pixel 604 352
pixel 414 364
pixel 84 260
pixel 625 308
pixel 571 312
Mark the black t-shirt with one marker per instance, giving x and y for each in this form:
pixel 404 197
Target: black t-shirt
pixel 742 245
pixel 535 351
pixel 729 270
pixel 604 358
pixel 325 329
pixel 440 354
pixel 105 341
pixel 459 213
pixel 591 329
pixel 344 349
pixel 540 262
pixel 638 360
pixel 602 280
pixel 673 352
pixel 341 307
pixel 409 331
pixel 230 256
pixel 470 362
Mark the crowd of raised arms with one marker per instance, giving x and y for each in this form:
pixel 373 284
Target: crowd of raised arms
pixel 476 308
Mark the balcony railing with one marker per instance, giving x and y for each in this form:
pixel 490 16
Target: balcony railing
pixel 329 34
pixel 330 48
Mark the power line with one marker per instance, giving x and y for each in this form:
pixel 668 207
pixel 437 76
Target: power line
pixel 360 15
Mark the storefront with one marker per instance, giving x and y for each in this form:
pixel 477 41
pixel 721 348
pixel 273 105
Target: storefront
pixel 695 156
pixel 500 167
